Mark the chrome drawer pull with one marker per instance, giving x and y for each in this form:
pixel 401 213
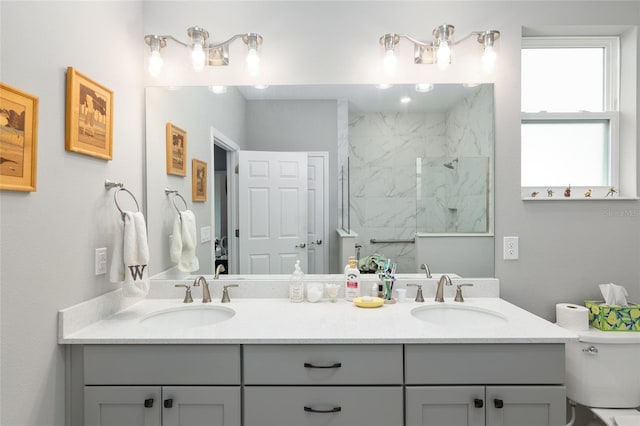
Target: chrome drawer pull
pixel 315 410
pixel 335 365
pixel 591 350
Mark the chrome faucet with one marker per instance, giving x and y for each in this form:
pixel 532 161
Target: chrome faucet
pixel 425 267
pixel 206 296
pixel 219 268
pixel 444 280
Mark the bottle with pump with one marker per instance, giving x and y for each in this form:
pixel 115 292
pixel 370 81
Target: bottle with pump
pixel 352 280
pixel 296 285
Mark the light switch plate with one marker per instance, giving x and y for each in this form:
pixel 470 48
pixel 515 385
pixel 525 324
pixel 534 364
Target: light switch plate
pixel 101 261
pixel 205 234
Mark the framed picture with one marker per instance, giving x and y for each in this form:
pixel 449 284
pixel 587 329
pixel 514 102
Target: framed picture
pixel 18 139
pixel 89 124
pixel 198 180
pixel 176 150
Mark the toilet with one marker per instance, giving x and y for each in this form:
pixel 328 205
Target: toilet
pixel 603 374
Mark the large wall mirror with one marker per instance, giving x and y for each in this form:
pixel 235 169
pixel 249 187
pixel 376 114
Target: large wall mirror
pixel 408 169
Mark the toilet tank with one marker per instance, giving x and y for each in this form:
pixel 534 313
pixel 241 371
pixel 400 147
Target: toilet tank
pixel 603 369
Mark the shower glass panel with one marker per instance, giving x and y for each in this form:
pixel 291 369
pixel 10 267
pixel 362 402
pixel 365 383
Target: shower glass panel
pixel 452 194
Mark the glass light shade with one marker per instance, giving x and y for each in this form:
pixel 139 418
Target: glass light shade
pixel 390 62
pixel 443 55
pixel 253 61
pixel 197 57
pixel 155 63
pixel 489 58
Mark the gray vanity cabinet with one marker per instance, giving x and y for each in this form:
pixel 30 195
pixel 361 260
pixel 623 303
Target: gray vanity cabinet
pixel 337 385
pixel 161 406
pixel 156 385
pixel 478 385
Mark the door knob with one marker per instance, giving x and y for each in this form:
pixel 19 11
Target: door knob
pixel 478 403
pixel 301 245
pixel 498 403
pixel 148 403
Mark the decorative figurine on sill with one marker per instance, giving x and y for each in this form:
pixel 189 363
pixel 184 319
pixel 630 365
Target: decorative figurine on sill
pixel 588 193
pixel 549 192
pixel 567 191
pixel 611 192
pixel 534 194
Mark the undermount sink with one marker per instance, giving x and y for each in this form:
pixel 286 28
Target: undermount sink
pixel 187 317
pixel 459 316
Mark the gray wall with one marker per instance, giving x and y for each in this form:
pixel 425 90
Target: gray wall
pixel 49 237
pixel 226 113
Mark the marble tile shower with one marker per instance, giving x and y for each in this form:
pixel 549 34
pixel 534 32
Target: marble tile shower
pixel 399 180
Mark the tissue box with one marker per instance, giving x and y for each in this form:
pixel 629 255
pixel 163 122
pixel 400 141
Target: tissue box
pixel 612 317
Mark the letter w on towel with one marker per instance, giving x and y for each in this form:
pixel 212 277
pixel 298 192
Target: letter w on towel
pixel 131 255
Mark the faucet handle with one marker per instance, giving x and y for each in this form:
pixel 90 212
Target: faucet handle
pixel 187 296
pixel 459 297
pixel 225 293
pixel 419 297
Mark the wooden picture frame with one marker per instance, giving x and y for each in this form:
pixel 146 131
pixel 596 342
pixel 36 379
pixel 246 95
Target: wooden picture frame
pixel 198 180
pixel 89 120
pixel 176 150
pixel 18 139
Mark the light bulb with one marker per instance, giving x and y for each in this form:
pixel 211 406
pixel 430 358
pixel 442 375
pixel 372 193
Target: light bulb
pixel 390 62
pixel 489 58
pixel 443 55
pixel 197 57
pixel 155 63
pixel 253 62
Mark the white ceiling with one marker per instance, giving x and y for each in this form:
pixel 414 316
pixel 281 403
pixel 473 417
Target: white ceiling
pixel 367 98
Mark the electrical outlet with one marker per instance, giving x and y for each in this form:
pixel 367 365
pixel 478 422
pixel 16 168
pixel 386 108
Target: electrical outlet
pixel 510 248
pixel 101 261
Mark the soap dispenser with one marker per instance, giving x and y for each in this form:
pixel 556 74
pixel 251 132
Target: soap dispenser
pixel 296 285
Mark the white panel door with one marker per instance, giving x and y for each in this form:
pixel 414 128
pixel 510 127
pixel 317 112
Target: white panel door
pixel 200 406
pixel 445 406
pixel 272 211
pixel 122 405
pixel 316 241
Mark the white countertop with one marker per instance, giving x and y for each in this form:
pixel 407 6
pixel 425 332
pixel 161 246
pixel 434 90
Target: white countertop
pixel 278 321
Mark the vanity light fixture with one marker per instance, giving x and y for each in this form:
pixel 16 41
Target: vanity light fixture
pixel 439 50
pixel 203 54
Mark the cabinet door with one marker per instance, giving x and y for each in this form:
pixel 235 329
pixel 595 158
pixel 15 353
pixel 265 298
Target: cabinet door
pixel 445 406
pixel 526 405
pixel 326 406
pixel 122 405
pixel 201 406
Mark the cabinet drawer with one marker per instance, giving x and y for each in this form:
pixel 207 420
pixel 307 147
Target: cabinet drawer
pixel 485 364
pixel 322 364
pixel 334 406
pixel 162 364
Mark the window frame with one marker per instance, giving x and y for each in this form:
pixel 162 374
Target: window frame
pixel 611 103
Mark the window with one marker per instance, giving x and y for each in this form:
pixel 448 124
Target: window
pixel 569 113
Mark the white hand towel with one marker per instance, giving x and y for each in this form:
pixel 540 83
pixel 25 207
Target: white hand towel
pixel 183 242
pixel 614 294
pixel 130 263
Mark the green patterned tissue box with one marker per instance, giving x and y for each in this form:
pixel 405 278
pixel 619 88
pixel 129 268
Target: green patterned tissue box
pixel 612 317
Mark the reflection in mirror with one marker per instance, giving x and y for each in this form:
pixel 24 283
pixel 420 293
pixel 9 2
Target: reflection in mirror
pixel 395 170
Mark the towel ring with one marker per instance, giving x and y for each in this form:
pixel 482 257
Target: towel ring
pixel 115 198
pixel 177 194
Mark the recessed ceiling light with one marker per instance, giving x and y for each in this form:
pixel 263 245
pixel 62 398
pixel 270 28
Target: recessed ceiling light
pixel 424 87
pixel 218 90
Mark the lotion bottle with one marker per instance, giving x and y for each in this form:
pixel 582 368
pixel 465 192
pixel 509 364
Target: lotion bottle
pixel 296 285
pixel 352 280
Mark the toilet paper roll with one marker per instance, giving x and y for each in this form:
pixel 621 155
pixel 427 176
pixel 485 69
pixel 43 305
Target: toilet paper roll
pixel 572 317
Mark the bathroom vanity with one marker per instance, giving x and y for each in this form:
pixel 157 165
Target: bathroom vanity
pixel 271 362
